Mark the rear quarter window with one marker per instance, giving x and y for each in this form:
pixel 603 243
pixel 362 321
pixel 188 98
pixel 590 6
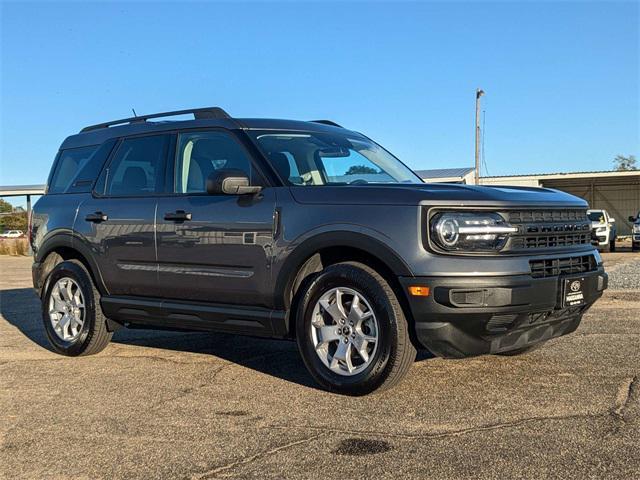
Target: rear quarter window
pixel 76 169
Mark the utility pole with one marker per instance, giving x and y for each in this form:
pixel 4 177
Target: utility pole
pixel 479 93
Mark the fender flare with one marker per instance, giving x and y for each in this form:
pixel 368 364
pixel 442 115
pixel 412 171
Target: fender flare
pixel 350 239
pixel 69 240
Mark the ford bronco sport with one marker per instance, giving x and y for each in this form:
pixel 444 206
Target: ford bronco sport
pixel 301 230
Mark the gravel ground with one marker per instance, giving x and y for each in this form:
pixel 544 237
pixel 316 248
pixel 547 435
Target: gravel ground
pixel 200 406
pixel 626 275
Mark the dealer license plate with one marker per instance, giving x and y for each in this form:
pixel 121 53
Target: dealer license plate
pixel 573 292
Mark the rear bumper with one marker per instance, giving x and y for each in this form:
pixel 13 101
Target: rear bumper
pixel 467 316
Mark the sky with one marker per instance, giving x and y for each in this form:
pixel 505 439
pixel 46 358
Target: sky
pixel 561 78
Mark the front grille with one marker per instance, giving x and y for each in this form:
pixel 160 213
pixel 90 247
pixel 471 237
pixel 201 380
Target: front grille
pixel 550 241
pixel 553 267
pixel 546 229
pixel 531 216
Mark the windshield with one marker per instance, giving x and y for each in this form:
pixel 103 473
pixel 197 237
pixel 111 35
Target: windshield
pixel 318 158
pixel 596 216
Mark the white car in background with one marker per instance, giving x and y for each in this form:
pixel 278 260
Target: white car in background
pixel 12 234
pixel 603 229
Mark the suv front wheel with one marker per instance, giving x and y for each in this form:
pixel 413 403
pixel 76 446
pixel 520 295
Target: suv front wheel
pixel 71 311
pixel 351 330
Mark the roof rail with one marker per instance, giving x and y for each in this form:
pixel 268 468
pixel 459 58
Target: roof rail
pixel 198 113
pixel 327 122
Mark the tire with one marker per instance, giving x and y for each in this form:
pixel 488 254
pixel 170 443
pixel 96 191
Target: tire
pixel 612 246
pixel 635 246
pixel 521 351
pixel 92 336
pixel 389 358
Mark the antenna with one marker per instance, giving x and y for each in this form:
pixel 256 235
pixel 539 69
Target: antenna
pixel 134 112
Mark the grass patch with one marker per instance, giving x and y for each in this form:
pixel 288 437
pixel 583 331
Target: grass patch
pixel 14 246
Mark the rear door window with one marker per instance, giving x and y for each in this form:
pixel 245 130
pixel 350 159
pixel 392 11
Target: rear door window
pixel 137 167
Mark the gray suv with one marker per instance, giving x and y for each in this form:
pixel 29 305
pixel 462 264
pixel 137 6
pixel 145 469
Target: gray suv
pixel 300 230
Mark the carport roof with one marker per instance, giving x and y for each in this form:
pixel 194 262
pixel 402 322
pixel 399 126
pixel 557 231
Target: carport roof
pixel 20 190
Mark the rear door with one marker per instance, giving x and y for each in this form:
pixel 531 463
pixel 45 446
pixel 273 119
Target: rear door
pixel 214 248
pixel 118 222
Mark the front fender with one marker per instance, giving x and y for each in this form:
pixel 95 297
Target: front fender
pixel 296 253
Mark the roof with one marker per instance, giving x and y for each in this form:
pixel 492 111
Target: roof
pixel 99 133
pixel 20 190
pixel 445 172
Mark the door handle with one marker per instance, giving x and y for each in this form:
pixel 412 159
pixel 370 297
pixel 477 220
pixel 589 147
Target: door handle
pixel 177 216
pixel 96 217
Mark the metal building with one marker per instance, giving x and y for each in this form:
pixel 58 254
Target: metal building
pixel 448 175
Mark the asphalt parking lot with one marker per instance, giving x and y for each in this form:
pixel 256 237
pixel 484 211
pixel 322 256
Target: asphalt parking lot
pixel 196 406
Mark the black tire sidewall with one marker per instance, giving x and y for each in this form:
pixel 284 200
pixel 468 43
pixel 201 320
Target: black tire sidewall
pixel 366 285
pixel 79 274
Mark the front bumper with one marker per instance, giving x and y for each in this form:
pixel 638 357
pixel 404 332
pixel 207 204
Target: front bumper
pixel 467 316
pixel 602 238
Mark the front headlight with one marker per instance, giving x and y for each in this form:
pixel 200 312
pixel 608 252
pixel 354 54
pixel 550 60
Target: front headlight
pixel 601 230
pixel 636 228
pixel 470 231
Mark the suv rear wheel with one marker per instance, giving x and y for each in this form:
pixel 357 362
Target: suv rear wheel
pixel 351 330
pixel 71 311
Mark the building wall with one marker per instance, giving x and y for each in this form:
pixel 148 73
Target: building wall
pixel 511 181
pixel 620 197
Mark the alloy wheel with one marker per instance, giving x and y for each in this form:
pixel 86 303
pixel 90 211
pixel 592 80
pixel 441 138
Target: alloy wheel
pixel 344 331
pixel 66 309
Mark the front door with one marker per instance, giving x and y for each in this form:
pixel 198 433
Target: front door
pixel 214 248
pixel 118 222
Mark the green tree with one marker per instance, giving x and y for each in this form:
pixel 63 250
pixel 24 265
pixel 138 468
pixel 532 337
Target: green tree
pixel 17 221
pixel 5 206
pixel 622 162
pixel 360 169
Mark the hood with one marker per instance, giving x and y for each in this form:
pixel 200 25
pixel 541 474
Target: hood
pixel 434 194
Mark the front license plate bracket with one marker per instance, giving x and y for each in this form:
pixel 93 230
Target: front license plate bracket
pixel 573 291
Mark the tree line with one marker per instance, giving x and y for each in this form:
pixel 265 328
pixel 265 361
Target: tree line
pixel 10 219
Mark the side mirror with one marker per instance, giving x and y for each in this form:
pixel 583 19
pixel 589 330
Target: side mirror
pixel 612 220
pixel 230 182
pixel 632 219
